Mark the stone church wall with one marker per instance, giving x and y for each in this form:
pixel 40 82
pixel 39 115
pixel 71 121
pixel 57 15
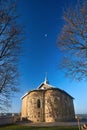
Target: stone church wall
pixel 24 107
pixel 52 106
pixel 35 106
pixel 47 106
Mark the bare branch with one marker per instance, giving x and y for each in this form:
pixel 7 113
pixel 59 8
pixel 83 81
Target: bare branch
pixel 73 41
pixel 11 37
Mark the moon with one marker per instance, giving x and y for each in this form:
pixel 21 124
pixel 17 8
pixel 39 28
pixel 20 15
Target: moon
pixel 45 35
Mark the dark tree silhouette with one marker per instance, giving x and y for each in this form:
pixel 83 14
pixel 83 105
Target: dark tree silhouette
pixel 11 37
pixel 72 41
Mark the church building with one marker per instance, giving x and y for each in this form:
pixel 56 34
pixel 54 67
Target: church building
pixel 47 104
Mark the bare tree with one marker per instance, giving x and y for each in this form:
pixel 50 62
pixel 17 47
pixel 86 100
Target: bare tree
pixel 72 41
pixel 11 37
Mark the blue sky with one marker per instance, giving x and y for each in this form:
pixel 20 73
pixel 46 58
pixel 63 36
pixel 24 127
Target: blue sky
pixel 43 22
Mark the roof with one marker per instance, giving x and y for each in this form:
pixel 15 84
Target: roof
pixel 44 87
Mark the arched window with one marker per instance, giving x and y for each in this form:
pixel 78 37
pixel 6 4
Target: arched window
pixel 38 103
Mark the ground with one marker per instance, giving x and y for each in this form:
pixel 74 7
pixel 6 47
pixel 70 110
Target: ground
pixel 20 127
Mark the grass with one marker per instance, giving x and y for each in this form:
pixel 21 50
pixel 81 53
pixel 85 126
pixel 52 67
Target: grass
pixel 19 127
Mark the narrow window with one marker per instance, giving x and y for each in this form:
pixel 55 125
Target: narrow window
pixel 38 103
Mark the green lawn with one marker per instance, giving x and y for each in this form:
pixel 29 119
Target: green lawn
pixel 18 127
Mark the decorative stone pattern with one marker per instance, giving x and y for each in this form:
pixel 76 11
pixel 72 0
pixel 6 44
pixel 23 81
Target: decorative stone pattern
pixel 47 104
